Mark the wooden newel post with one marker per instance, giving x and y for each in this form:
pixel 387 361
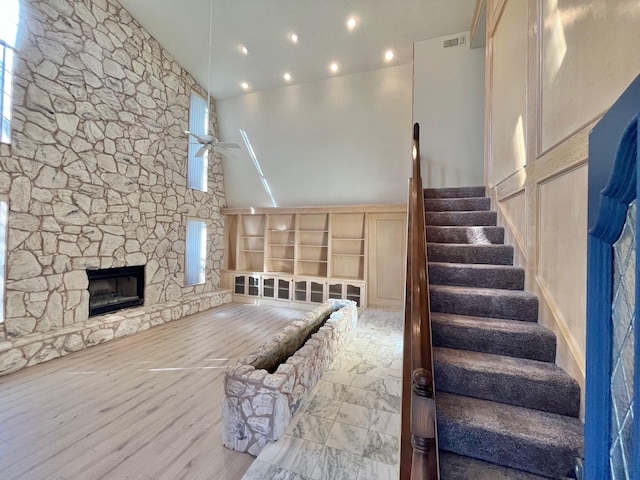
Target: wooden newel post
pixel 423 426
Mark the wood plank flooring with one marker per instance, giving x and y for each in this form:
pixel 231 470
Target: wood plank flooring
pixel 142 407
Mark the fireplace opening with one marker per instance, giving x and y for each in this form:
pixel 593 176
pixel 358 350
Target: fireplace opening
pixel 112 289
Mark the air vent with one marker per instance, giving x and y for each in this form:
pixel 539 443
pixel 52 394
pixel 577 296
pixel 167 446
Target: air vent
pixel 454 42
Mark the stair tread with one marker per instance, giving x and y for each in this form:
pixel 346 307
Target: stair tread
pixel 488 323
pixel 497 246
pixel 521 422
pixel 459 467
pixel 501 364
pixel 515 381
pixel 539 442
pixel 482 274
pixel 462 218
pixel 450 192
pixel 468 234
pixel 514 338
pixel 457 204
pixel 482 291
pixel 478 266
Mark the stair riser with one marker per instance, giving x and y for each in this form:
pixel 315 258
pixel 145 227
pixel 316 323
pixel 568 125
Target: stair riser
pixel 454 192
pixel 498 306
pixel 541 347
pixel 468 235
pixel 499 447
pixel 467 276
pixel 462 219
pixel 456 204
pixel 554 396
pixel 485 254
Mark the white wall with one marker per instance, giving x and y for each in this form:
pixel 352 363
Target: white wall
pixel 449 105
pixel 345 140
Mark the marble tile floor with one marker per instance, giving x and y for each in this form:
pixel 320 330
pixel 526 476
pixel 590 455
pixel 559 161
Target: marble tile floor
pixel 349 426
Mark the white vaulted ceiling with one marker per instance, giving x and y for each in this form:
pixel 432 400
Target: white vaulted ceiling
pixel 264 26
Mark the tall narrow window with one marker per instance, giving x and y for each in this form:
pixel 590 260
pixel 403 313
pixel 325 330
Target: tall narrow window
pixel 198 124
pixel 3 254
pixel 196 252
pixel 8 31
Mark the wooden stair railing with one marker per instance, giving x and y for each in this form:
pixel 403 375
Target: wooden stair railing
pixel 418 447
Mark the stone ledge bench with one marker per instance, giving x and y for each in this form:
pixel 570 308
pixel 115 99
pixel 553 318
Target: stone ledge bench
pixel 38 347
pixel 258 405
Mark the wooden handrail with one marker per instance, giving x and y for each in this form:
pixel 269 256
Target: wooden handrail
pixel 419 446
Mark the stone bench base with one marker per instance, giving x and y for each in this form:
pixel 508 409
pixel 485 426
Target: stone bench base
pixel 40 347
pixel 259 405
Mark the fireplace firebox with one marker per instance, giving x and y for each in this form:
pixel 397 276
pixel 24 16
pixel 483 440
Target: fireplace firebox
pixel 112 289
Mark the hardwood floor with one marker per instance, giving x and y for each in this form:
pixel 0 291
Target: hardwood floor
pixel 142 407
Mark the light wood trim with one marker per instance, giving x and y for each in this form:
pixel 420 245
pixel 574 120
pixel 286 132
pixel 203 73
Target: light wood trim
pixel 395 207
pixel 562 326
pixel 495 14
pixel 479 25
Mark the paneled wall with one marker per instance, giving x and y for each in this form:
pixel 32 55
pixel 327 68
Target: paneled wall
pixel 553 68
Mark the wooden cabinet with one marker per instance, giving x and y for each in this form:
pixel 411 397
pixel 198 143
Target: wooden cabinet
pixel 354 291
pixel 247 284
pixel 307 255
pixel 276 288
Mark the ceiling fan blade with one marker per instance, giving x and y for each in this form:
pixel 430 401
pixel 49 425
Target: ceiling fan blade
pixel 201 138
pixel 226 145
pixel 202 151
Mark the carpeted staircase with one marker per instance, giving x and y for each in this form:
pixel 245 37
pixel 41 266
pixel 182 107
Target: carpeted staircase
pixel 505 409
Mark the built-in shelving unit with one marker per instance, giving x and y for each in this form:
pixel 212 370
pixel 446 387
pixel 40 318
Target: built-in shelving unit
pixel 281 234
pixel 299 255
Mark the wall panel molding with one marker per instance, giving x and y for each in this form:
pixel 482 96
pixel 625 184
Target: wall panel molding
pixel 545 292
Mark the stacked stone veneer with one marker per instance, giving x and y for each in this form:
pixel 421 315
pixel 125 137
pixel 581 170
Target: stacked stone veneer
pixel 94 177
pixel 258 405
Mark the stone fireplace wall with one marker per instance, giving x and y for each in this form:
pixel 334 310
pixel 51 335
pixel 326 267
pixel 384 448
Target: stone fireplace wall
pixel 94 177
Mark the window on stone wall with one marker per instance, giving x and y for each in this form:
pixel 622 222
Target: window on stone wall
pixel 8 31
pixel 198 124
pixel 196 252
pixel 3 253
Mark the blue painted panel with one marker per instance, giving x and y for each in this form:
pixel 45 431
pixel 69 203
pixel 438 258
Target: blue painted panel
pixel 603 142
pixel 613 184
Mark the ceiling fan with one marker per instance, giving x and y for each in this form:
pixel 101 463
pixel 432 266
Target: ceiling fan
pixel 209 142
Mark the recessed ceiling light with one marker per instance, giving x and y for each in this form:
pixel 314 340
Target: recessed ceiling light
pixel 388 55
pixel 352 22
pixel 294 37
pixel 244 85
pixel 244 50
pixel 287 76
pixel 334 67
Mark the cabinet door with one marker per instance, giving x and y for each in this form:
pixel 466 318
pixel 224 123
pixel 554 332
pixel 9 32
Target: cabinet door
pixel 240 284
pixel 316 291
pixel 355 293
pixel 253 289
pixel 300 291
pixel 387 259
pixel 334 290
pixel 269 287
pixel 284 289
